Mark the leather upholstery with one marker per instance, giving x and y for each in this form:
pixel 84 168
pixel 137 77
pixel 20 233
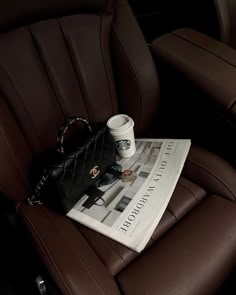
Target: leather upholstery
pixel 95 63
pixel 175 265
pixel 203 70
pixel 186 197
pixel 215 175
pixel 194 208
pixel 15 165
pixel 138 81
pixel 67 254
pixel 209 64
pixel 226 10
pixel 57 75
pixel 14 13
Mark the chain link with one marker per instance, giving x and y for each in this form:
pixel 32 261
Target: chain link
pixel 62 131
pixel 34 200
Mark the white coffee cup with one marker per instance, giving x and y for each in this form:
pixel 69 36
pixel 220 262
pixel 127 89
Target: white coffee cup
pixel 122 129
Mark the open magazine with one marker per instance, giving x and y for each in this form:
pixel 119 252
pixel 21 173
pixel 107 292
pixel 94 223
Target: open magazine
pixel 129 212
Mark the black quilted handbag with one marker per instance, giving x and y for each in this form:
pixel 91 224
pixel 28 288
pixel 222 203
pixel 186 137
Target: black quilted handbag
pixel 72 173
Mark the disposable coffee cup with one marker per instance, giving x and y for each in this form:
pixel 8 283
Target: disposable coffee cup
pixel 122 130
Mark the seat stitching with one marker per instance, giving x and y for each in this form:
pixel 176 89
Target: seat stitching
pixel 231 105
pixel 51 261
pixel 188 189
pixel 78 79
pixel 202 47
pixel 19 167
pixel 112 249
pixel 172 213
pixel 40 56
pixel 105 67
pixel 74 250
pixel 108 245
pixel 134 73
pixel 215 176
pixel 21 101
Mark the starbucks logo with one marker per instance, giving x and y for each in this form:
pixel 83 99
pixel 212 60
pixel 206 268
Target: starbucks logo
pixel 123 145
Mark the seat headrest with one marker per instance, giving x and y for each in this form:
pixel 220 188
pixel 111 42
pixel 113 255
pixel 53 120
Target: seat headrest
pixel 15 13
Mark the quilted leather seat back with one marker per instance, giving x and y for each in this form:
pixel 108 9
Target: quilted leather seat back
pixel 17 13
pixel 82 64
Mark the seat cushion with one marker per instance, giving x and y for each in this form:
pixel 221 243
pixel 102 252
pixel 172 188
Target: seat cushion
pixel 194 239
pixel 66 253
pixel 193 258
pixel 116 256
pixel 204 173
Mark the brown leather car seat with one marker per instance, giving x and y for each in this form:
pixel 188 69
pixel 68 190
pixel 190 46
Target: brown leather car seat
pixel 226 12
pixel 67 57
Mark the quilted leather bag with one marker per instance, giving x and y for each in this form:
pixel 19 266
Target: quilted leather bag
pixel 74 172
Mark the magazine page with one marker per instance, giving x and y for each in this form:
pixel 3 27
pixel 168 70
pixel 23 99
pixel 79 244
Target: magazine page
pixel 163 193
pixel 129 212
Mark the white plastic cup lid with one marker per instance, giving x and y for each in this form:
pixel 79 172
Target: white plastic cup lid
pixel 119 123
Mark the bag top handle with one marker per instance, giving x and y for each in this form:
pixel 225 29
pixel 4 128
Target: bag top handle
pixel 64 128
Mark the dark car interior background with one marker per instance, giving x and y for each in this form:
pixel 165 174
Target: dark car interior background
pixel 171 66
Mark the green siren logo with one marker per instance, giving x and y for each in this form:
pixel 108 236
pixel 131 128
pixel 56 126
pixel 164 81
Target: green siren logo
pixel 123 145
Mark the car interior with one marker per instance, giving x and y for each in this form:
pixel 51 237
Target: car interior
pixel 171 66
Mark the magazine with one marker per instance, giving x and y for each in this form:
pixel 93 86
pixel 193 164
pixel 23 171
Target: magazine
pixel 129 211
